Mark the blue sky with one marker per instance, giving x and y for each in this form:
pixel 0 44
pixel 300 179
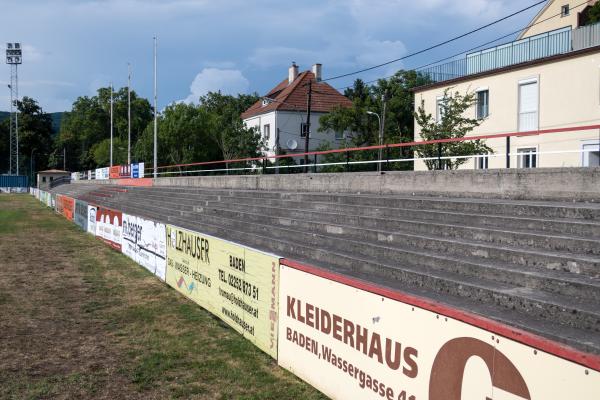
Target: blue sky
pixel 73 47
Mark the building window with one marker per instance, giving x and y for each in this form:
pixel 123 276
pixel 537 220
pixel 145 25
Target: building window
pixel 483 104
pixel 51 178
pixel 339 135
pixel 439 109
pixel 527 157
pixel 266 132
pixel 482 162
pixel 528 106
pixel 43 179
pixel 564 10
pixel 303 129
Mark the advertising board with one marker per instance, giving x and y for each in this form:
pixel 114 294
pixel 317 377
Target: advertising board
pixel 91 223
pixel 53 201
pixel 144 241
pixel 80 217
pixel 114 172
pixel 236 283
pixel 66 206
pixel 352 343
pixel 137 170
pixel 109 226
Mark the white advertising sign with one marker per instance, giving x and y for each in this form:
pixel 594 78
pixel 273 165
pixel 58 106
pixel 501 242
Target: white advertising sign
pixel 91 225
pixel 353 344
pixel 109 226
pixel 145 242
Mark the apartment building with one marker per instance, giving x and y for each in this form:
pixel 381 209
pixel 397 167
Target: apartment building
pixel 548 78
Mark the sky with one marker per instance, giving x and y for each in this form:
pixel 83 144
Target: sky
pixel 73 47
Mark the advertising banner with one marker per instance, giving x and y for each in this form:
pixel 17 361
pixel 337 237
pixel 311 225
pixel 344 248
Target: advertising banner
pixel 109 226
pixel 145 242
pixel 91 223
pixel 53 200
pixel 114 172
pixel 354 344
pixel 66 206
pixel 236 283
pixel 81 214
pixel 137 170
pixel 48 197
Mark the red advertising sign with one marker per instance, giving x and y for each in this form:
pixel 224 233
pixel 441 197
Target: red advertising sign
pixel 66 206
pixel 114 172
pixel 109 226
pixel 125 171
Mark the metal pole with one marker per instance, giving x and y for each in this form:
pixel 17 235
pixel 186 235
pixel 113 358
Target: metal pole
pixel 508 152
pixel 129 114
pixel 381 128
pixel 155 110
pixel 111 124
pixel 277 151
pixel 306 140
pixel 64 158
pixel 17 112
pixel 10 139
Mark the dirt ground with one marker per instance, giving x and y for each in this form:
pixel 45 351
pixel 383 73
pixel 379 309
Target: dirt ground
pixel 79 320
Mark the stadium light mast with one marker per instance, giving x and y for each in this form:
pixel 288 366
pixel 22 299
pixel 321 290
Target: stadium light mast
pixel 14 57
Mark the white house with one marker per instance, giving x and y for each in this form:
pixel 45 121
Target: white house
pixel 281 114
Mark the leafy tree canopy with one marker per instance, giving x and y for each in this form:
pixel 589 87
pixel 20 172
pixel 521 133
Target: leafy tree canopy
pixel 454 123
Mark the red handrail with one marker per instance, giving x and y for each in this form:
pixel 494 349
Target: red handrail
pixel 393 145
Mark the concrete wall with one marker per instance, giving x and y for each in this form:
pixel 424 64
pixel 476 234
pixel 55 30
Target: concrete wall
pixel 568 95
pixel 567 184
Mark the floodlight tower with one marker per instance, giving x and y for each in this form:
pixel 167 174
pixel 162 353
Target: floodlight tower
pixel 14 57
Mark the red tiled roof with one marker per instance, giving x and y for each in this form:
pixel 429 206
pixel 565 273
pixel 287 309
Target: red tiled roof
pixel 294 97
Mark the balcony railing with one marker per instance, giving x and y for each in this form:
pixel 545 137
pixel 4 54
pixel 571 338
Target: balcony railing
pixel 547 44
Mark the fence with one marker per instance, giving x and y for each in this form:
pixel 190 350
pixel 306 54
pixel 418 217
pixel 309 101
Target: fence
pixel 559 41
pixel 400 156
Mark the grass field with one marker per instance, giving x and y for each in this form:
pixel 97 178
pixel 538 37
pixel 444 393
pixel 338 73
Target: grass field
pixel 79 320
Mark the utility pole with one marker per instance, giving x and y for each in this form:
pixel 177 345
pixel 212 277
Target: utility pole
pixel 276 151
pixel 307 136
pixel 382 127
pixel 111 124
pixel 129 114
pixel 155 109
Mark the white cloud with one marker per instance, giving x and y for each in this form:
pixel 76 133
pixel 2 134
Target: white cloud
pixel 227 81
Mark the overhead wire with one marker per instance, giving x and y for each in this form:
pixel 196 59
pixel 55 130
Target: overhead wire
pixel 471 49
pixel 435 45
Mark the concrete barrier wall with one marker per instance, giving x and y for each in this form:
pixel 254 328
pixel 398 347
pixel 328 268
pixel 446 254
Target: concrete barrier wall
pixel 563 184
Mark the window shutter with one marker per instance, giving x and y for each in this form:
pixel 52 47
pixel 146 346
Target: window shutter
pixel 528 106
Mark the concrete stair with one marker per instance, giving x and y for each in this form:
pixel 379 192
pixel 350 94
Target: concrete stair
pixel 533 265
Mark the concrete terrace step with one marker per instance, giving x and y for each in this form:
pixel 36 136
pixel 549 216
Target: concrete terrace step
pixel 487 206
pixel 577 227
pixel 562 261
pixel 525 239
pixel 432 275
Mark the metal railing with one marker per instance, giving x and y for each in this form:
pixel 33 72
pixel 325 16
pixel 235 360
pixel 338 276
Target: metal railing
pixel 60 181
pixel 559 41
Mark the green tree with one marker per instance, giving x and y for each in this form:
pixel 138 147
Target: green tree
pixel 452 124
pixel 209 131
pixel 35 136
pixel 87 126
pixel 228 130
pixel 399 120
pixel 593 14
